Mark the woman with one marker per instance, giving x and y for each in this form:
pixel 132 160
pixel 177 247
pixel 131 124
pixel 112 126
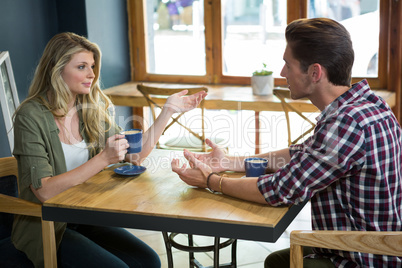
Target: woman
pixel 63 136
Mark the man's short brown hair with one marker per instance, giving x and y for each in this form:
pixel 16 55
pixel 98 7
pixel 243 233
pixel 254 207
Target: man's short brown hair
pixel 323 41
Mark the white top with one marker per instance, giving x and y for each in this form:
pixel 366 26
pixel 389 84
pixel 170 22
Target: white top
pixel 75 154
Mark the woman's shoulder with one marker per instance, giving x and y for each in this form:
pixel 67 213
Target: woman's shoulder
pixel 32 108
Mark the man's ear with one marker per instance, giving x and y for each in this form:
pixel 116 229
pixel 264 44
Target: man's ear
pixel 316 72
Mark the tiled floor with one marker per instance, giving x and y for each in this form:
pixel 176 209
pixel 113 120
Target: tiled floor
pixel 249 254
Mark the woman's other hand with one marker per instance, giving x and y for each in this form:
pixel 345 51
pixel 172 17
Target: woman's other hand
pixel 179 102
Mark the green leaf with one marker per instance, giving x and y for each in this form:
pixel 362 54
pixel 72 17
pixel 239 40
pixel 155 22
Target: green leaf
pixel 263 71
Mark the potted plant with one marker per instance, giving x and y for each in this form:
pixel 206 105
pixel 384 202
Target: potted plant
pixel 262 81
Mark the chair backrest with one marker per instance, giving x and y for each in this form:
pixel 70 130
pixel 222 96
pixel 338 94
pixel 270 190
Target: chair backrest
pixel 380 243
pixel 8 166
pixel 156 97
pixel 9 187
pixel 10 203
pixel 284 96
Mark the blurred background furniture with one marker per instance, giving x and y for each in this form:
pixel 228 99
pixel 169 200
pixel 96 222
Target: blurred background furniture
pixel 381 243
pixel 288 106
pixel 220 97
pixel 194 137
pixel 10 204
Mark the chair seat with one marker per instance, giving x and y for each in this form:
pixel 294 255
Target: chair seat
pixel 186 142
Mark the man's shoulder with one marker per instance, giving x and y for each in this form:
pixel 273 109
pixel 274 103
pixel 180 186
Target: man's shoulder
pixel 363 102
pixel 365 112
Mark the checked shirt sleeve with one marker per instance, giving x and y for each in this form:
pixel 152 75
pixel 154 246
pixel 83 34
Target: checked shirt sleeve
pixel 336 150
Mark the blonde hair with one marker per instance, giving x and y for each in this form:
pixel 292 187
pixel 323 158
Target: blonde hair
pixel 48 82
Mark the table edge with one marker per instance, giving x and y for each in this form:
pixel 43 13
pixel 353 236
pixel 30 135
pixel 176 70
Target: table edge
pixel 172 224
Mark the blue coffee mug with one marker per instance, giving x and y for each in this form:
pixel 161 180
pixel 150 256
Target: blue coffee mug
pixel 134 138
pixel 255 166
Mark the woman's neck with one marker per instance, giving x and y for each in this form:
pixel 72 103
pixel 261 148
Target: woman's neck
pixel 71 108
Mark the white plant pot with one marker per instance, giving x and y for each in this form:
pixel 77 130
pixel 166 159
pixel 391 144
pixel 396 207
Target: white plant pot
pixel 262 84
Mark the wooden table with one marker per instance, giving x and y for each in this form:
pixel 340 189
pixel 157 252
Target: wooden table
pixel 159 200
pixel 227 97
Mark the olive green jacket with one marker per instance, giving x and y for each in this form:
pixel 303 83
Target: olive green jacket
pixel 39 153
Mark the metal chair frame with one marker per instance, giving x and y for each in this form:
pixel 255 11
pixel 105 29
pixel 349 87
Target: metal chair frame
pixel 191 249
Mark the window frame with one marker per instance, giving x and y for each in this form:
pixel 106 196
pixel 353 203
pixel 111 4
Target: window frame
pixel 213 45
pixel 9 100
pixel 389 54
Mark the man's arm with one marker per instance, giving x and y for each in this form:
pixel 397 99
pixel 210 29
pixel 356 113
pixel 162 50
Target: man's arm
pixel 243 188
pixel 276 159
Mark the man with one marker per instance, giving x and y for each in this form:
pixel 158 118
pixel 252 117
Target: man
pixel 350 168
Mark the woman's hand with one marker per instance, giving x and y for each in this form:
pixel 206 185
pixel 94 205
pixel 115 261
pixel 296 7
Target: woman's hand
pixel 179 103
pixel 115 149
pixel 194 176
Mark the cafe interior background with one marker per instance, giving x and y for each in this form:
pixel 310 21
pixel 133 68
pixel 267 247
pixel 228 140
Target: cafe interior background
pixel 250 33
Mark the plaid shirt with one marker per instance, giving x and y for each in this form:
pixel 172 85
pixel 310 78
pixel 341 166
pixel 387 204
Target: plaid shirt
pixel 350 168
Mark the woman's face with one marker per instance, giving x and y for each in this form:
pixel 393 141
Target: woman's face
pixel 78 74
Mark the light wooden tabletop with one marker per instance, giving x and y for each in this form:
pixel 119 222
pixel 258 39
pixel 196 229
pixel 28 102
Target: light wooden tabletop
pixel 158 200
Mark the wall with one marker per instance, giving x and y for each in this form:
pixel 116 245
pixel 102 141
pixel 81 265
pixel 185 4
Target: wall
pixel 26 27
pixel 111 37
pixel 108 27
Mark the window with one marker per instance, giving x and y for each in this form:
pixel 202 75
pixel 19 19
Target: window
pixel 175 37
pixel 362 20
pixel 253 34
pixel 210 42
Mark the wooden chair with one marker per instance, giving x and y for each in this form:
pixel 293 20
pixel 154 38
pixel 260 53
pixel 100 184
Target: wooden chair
pixel 11 204
pixel 195 141
pixel 284 95
pixel 381 243
pixel 156 97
